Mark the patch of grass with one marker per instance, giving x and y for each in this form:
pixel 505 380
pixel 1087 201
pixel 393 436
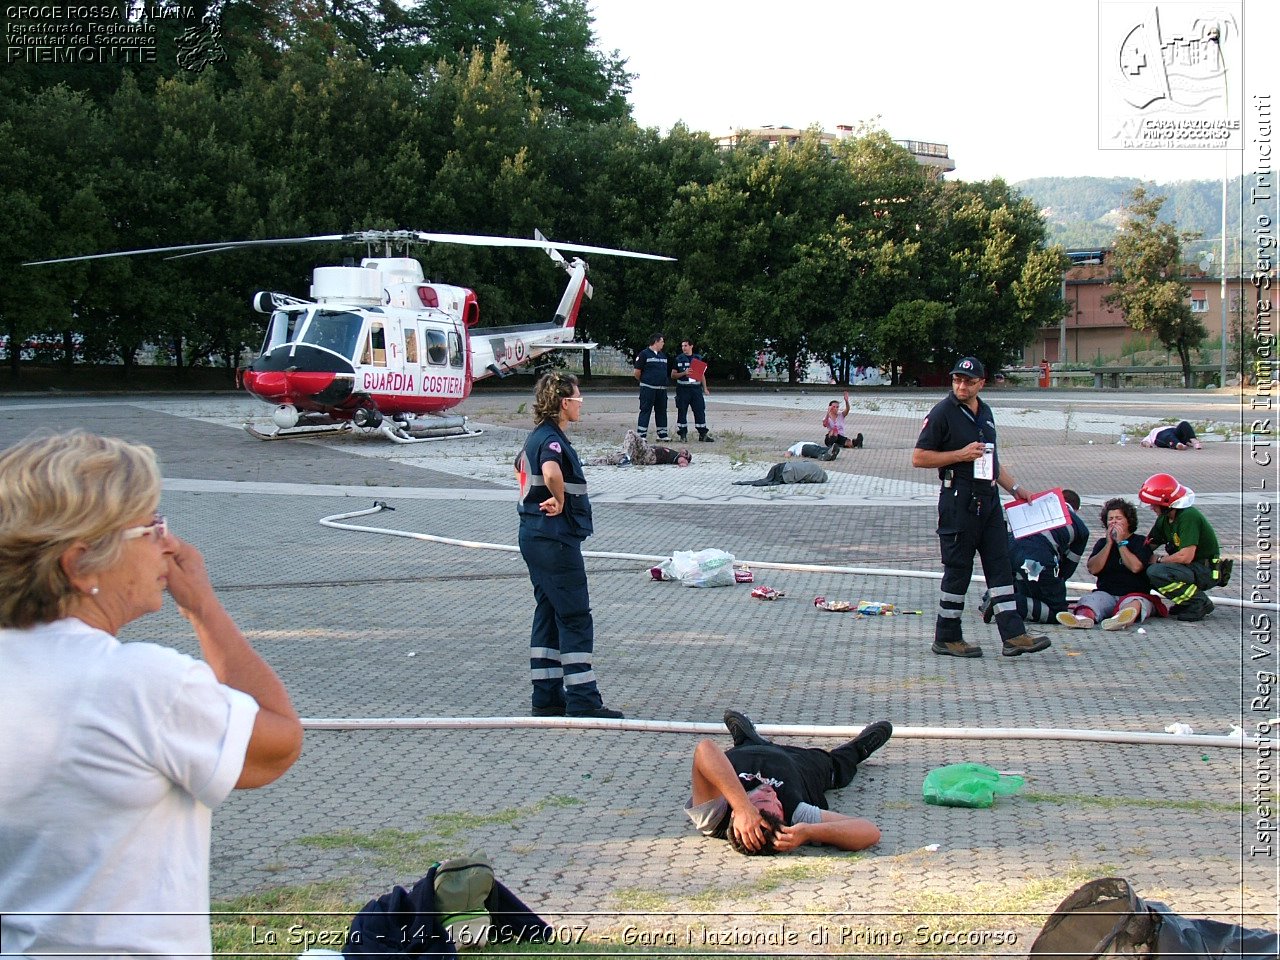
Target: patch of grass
pixel 278 921
pixel 397 850
pixel 449 824
pixel 1009 905
pixel 634 899
pixel 1144 802
pixel 409 851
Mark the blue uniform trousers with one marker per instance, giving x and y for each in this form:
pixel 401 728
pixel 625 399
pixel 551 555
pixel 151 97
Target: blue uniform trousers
pixel 652 401
pixel 687 397
pixel 562 639
pixel 1041 600
pixel 971 520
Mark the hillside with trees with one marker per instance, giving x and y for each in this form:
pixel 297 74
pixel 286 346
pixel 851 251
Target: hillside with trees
pixel 1082 212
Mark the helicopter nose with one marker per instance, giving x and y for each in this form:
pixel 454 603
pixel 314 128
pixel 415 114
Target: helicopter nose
pixel 270 385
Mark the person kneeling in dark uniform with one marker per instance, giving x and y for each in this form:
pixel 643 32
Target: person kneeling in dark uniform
pixel 765 797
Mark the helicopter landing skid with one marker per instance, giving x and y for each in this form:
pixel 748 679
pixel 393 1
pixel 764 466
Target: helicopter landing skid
pixel 287 433
pixel 399 435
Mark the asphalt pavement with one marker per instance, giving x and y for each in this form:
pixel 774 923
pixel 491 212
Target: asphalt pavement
pixel 585 824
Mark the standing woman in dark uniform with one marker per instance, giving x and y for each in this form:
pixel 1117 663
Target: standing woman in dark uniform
pixel 555 517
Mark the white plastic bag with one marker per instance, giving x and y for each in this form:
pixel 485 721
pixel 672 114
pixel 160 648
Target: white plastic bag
pixel 703 568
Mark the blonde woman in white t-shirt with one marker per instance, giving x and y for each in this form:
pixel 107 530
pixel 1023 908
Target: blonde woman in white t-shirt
pixel 113 755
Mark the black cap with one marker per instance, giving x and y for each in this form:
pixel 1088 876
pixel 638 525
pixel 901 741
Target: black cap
pixel 969 367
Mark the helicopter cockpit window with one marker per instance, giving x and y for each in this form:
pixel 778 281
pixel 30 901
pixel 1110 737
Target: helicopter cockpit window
pixel 284 324
pixel 375 346
pixel 333 330
pixel 411 346
pixel 455 349
pixel 437 352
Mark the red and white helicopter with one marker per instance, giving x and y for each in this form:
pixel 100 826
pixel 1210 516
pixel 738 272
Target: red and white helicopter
pixel 382 348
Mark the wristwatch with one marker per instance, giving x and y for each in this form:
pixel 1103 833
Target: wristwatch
pixel 1014 489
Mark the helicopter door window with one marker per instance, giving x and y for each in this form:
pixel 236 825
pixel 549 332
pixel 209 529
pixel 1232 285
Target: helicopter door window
pixel 411 346
pixel 437 351
pixel 375 347
pixel 455 349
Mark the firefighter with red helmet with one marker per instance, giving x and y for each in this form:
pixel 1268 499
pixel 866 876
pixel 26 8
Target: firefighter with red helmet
pixel 1192 564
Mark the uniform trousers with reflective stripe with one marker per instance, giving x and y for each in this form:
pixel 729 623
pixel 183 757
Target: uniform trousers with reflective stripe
pixel 1040 600
pixel 562 639
pixel 1180 583
pixel 653 402
pixel 971 520
pixel 686 397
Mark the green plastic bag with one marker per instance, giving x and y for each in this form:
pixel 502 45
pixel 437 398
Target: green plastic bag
pixel 968 785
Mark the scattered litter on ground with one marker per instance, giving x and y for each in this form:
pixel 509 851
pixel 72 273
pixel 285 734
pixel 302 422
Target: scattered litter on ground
pixel 1181 729
pixel 767 593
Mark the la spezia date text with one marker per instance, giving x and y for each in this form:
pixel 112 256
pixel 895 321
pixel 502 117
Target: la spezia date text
pixel 775 935
pixel 789 935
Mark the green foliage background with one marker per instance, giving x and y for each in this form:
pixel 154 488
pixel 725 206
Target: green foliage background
pixel 490 117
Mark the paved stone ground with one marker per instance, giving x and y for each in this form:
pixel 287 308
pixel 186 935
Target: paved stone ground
pixel 585 823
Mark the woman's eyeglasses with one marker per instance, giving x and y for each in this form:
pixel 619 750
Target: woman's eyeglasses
pixel 158 527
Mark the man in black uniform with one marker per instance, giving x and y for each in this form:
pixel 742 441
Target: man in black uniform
pixel 689 392
pixel 765 797
pixel 651 372
pixel 958 440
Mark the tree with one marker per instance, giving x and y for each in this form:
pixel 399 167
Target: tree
pixel 551 42
pixel 1148 284
pixel 912 334
pixel 997 274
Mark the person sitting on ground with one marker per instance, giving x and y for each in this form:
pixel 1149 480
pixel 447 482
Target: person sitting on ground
pixel 1119 562
pixel 768 798
pixel 833 423
pixel 1042 564
pixel 814 451
pixel 1173 438
pixel 1191 564
pixel 115 754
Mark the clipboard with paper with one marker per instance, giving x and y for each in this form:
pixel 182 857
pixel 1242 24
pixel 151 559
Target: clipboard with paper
pixel 1045 511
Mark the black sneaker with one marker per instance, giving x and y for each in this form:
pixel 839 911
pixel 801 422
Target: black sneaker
pixel 599 713
pixel 872 738
pixel 706 438
pixel 1196 609
pixel 987 608
pixel 1025 643
pixel 682 434
pixel 857 442
pixel 742 729
pixel 955 648
pixel 555 710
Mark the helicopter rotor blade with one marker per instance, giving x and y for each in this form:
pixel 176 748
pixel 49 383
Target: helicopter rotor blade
pixel 196 248
pixel 542 244
pixel 364 236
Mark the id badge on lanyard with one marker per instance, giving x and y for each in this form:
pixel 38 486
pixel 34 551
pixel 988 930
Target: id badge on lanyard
pixel 984 467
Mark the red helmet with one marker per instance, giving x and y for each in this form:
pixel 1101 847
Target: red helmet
pixel 1164 490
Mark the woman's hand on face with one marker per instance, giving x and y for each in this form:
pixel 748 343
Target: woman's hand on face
pixel 188 580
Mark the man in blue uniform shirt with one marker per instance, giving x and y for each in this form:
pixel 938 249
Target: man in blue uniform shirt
pixel 958 440
pixel 690 390
pixel 651 371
